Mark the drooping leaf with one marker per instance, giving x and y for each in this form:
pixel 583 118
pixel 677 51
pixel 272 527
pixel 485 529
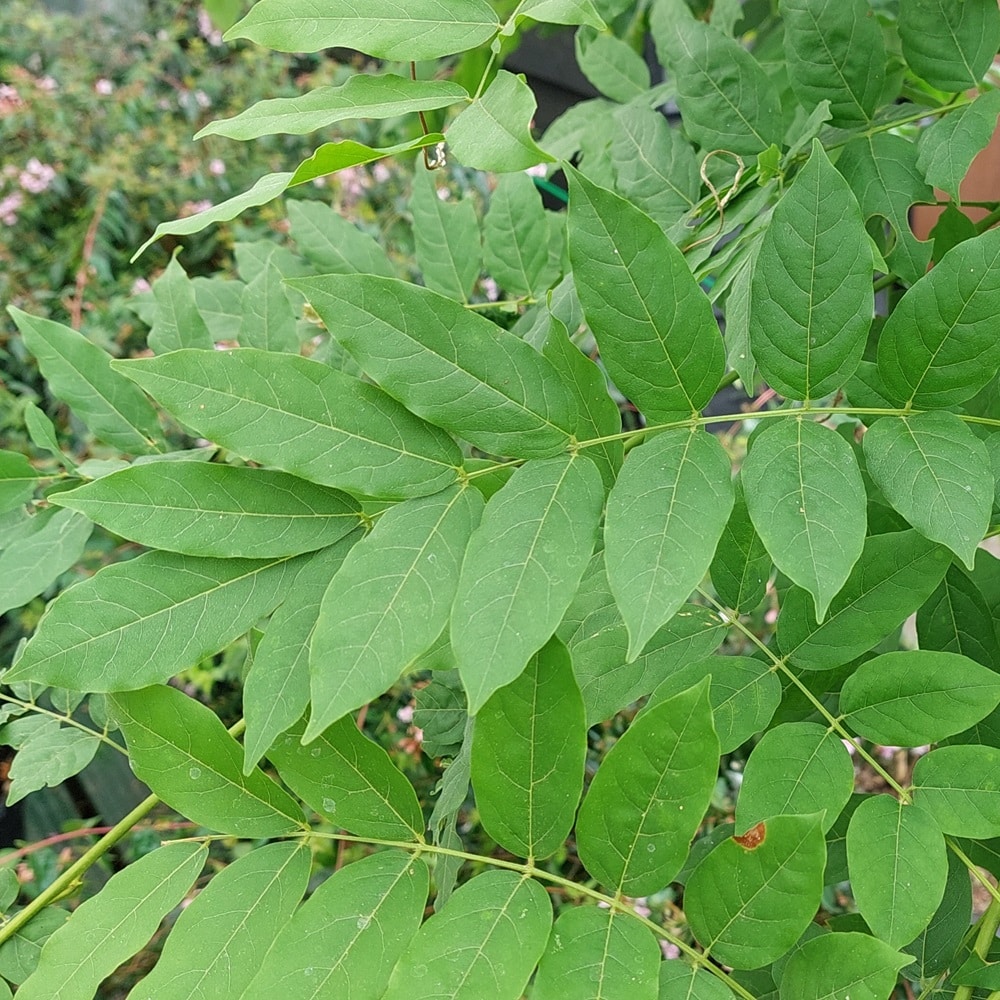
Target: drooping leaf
pixel 203 509
pixel 898 864
pixel 522 568
pixel 665 516
pixel 267 319
pixel 668 759
pixel 751 898
pixel 446 364
pixel 847 964
pixel 936 473
pixel 957 785
pixel 741 565
pixel 528 754
pixel 811 295
pixel 112 926
pixel 139 622
pixel 611 65
pixel 484 943
pixel 344 153
pixel 388 602
pixel 215 947
pixel 598 953
pixel 17 480
pixel 302 417
pixel 346 937
pixel 562 12
pixel 79 373
pixel 333 244
pixel 351 781
pixel 955 619
pixel 47 753
pixel 516 237
pixel 807 502
pixel 658 338
pixel 177 322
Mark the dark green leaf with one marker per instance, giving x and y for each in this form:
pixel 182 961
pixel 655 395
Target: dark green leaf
pixel 842 965
pixel 219 302
pixel 611 65
pixel 516 237
pixel 680 981
pixel 333 244
pixel 267 318
pixel 935 948
pixel 955 619
pixel 19 954
pixel 440 713
pixel 741 565
pixel 958 787
pixel 946 149
pixel 176 322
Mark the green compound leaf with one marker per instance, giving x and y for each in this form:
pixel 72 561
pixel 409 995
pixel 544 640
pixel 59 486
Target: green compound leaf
pixel 445 363
pixel 79 373
pixel 494 132
pixel 898 864
pixel 418 30
pixel 649 796
pixel 182 751
pixel 215 947
pixel 332 244
pixel 914 697
pixel 142 621
pixel 266 318
pixel 611 65
pixel 680 981
pixel 952 618
pixel 351 782
pixel 388 602
pixel 750 899
pixel 347 936
pixel 950 45
pixel 835 53
pixel 177 322
pixel 47 753
pixel 842 965
pixel 958 786
pixel 939 347
pixel 529 748
pixel 302 417
pixel 896 574
pixel 936 473
pixel 485 942
pixel 807 502
pixel 516 237
pixel 447 241
pixel 741 565
pixel 658 337
pixel 811 295
pixel 198 508
pixel 598 953
pixel 665 516
pixel 522 568
pixel 798 768
pixel 112 926
pixel 362 96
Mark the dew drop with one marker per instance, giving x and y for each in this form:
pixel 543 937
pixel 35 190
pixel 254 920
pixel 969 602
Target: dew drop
pixel 431 558
pixel 363 922
pixel 316 751
pixel 651 848
pixel 329 806
pixel 419 971
pixel 195 773
pixel 310 971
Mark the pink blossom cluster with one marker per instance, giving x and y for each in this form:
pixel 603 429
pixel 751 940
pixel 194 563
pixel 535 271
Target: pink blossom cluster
pixel 34 178
pixel 207 30
pixel 10 99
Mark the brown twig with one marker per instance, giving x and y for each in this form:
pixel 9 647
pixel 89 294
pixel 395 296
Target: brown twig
pixel 76 305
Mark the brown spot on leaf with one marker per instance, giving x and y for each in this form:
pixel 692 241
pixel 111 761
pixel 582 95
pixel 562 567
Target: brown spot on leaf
pixel 753 838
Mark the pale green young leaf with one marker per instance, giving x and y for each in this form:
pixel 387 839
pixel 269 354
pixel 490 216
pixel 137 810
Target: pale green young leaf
pixel 351 782
pixel 950 45
pixel 203 509
pixel 484 943
pixel 388 602
pixel 47 754
pixel 528 754
pixel 835 53
pixel 598 953
pixel 42 433
pixel 343 153
pixel 737 305
pixel 946 149
pixel 516 237
pixel 741 565
pixel 680 981
pixel 749 900
pixel 112 926
pixel 658 338
pixel 562 12
pixel 896 574
pixel 216 945
pixel 655 167
pixel 140 622
pixel 936 473
pixel 446 364
pixel 939 346
pixel 665 516
pixel 957 785
pixel 726 99
pixel 177 322
pixel 841 965
pixel 611 65
pixel 668 760
pixel 181 749
pixel 898 863
pixel 447 241
pixel 522 568
pixel 955 619
pixel 303 417
pixel 797 769
pixel 218 300
pixel 79 373
pixel 276 690
pixel 913 697
pixel 807 501
pixel 418 30
pixel 51 543
pixel 938 943
pixel 362 96
pixel 494 132
pixel 347 936
pixel 333 244
pixel 811 295
pixel 267 320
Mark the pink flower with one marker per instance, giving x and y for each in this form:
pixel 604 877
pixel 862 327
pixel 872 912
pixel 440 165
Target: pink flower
pixel 36 176
pixel 670 951
pixel 207 30
pixel 47 84
pixel 194 207
pixel 104 87
pixel 140 285
pixel 405 714
pixel 202 99
pixel 10 99
pixel 216 167
pixel 490 289
pixel 9 207
pixel 536 171
pixel 381 173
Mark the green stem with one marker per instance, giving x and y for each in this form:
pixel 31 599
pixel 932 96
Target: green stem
pixel 988 222
pixel 988 924
pixel 886 281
